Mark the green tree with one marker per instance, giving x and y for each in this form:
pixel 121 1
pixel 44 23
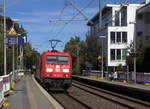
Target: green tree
pixel 93 51
pixel 143 60
pixel 146 60
pixel 27 49
pixel 129 59
pixel 77 50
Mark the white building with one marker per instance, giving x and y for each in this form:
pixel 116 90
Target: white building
pixel 143 25
pixel 118 27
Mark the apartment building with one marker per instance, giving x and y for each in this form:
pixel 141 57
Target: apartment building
pixel 143 25
pixel 118 27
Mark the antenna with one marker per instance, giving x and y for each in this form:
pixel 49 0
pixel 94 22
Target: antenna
pixel 54 44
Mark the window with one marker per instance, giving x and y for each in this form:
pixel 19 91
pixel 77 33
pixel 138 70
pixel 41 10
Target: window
pixel 140 33
pixel 124 53
pixel 112 37
pixel 57 59
pixel 124 16
pixel 117 21
pixel 140 16
pixel 51 60
pixel 118 54
pixel 97 28
pixel 121 17
pixel 63 59
pixel 124 37
pixel 118 37
pixel 112 54
pixel 147 18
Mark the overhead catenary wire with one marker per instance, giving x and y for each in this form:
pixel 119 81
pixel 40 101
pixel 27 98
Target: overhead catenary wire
pixel 61 13
pixel 66 23
pixel 79 12
pixel 53 26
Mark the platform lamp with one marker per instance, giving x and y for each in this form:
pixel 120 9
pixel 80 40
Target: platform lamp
pixel 102 37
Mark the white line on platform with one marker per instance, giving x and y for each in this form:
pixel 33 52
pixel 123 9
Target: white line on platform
pixel 33 104
pixel 48 96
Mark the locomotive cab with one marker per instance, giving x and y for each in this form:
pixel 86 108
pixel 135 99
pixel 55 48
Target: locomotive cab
pixel 57 70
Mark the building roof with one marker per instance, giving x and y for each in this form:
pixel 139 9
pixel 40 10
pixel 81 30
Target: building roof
pixel 144 9
pixel 107 8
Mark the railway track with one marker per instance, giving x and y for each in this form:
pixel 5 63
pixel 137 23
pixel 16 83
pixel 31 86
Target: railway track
pixel 82 96
pixel 114 100
pixel 69 102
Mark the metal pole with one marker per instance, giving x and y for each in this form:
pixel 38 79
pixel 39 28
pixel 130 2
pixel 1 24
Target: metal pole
pixel 135 52
pixel 78 66
pixel 13 63
pixel 135 68
pixel 100 27
pixel 134 48
pixel 102 59
pixel 5 37
pixel 21 62
pixel 127 73
pixel 102 38
pixel 17 54
pixel 100 15
pixel 22 57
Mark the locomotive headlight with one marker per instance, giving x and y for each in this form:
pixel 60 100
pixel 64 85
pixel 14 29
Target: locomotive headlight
pixel 66 75
pixel 65 70
pixel 49 70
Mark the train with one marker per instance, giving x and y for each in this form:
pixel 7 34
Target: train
pixel 54 70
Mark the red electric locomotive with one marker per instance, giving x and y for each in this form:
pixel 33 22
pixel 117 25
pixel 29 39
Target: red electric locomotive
pixel 55 70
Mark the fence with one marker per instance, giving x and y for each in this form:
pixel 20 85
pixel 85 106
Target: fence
pixel 1 92
pixel 91 73
pixel 5 85
pixel 128 76
pixel 140 77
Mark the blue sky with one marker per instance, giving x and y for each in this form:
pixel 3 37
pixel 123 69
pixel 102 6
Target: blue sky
pixel 34 15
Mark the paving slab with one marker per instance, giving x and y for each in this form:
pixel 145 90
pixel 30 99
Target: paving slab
pixel 27 95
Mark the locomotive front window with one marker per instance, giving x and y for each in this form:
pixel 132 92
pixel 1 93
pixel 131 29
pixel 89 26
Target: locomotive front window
pixel 51 60
pixel 63 60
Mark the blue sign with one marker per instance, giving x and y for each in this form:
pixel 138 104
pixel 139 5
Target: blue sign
pixel 12 40
pixel 134 54
pixel 22 40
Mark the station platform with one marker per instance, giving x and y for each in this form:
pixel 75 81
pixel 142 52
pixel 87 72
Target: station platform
pixel 27 95
pixel 119 83
pixel 139 91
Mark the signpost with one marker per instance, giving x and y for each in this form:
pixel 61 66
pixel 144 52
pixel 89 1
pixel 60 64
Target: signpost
pixel 22 40
pixel 134 55
pixel 12 40
pixel 12 31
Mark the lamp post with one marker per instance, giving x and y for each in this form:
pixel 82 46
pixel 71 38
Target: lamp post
pixel 134 49
pixel 17 51
pixel 102 37
pixel 78 60
pixel 5 38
